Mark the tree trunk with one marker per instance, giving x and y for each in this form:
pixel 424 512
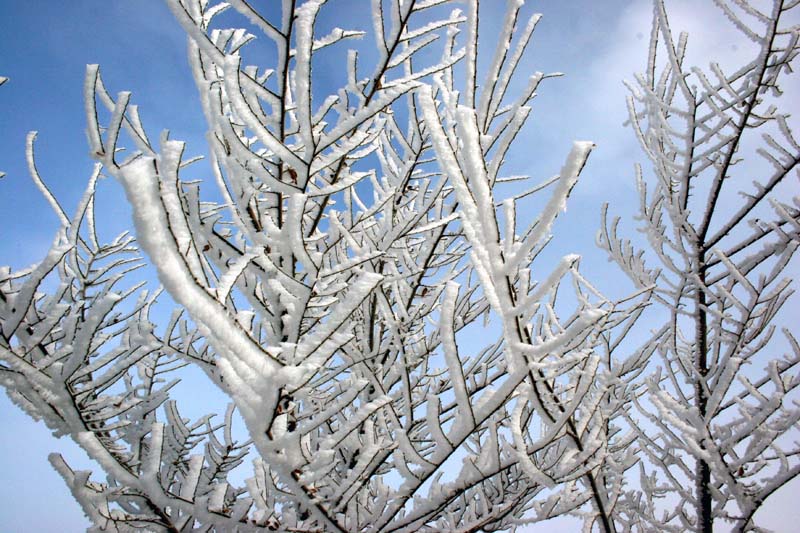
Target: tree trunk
pixel 702 469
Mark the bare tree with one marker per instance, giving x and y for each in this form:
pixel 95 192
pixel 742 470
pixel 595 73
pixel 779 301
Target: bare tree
pixel 717 420
pixel 332 285
pixel 325 288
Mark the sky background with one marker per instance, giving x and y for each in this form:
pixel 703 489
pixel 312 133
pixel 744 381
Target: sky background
pixel 45 46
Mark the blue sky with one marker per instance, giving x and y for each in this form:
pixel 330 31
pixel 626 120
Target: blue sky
pixel 140 48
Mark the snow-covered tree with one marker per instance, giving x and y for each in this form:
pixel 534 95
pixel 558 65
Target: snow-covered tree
pixel 354 276
pixel 717 419
pixel 327 287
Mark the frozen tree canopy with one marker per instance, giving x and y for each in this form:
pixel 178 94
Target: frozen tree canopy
pixel 723 419
pixel 345 242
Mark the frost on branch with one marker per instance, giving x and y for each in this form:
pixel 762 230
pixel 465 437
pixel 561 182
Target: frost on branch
pixel 354 236
pixel 717 418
